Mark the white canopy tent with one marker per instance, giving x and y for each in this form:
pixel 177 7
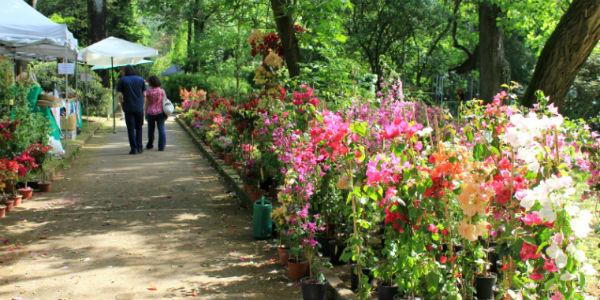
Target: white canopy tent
pixel 113 52
pixel 27 34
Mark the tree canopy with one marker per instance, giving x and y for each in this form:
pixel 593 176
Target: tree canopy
pixel 442 50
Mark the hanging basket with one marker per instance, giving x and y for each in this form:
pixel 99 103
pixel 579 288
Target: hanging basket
pixel 46 103
pixel 47 100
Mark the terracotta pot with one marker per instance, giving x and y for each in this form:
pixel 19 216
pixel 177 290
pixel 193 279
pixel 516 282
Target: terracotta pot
pixel 238 165
pixel 2 211
pixel 16 199
pixel 44 187
pixel 284 256
pixel 228 159
pixel 252 192
pixel 297 270
pixel 9 204
pixel 27 193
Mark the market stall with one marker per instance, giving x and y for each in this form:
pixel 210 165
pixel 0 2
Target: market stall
pixel 26 34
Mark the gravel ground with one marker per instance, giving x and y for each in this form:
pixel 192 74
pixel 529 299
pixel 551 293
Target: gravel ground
pixel 160 225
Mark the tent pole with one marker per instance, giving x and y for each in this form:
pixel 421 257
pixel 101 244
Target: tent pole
pixel 112 83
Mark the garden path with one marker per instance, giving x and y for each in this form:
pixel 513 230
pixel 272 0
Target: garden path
pixel 151 226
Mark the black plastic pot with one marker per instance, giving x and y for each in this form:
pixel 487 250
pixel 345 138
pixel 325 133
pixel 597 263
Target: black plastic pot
pixel 354 277
pixel 386 292
pixel 336 249
pixel 484 287
pixel 313 290
pixel 402 297
pixel 325 246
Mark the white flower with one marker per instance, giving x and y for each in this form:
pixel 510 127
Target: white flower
pixel 568 277
pixel 588 270
pixel 547 213
pixel 528 200
pixel 558 255
pixel 425 131
pixel 580 223
pixel 579 255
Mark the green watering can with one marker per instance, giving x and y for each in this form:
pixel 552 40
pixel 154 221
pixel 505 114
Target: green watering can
pixel 262 224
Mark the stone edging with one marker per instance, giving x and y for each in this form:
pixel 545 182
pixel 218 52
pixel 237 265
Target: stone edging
pixel 336 288
pixel 229 175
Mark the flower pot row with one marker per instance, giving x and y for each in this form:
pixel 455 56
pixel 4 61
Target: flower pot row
pixel 12 201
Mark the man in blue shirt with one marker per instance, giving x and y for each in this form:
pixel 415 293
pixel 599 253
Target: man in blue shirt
pixel 132 87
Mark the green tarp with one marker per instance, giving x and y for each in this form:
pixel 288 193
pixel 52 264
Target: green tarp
pixel 32 99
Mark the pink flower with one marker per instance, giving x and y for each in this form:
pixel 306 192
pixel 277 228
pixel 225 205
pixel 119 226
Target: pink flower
pixel 558 238
pixel 432 228
pixel 557 296
pixel 532 218
pixel 443 259
pixel 418 146
pixel 304 212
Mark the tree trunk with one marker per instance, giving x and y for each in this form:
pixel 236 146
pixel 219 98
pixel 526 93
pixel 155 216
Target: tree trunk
pixel 96 20
pixel 566 51
pixel 285 28
pixel 33 3
pixel 493 67
pixel 97 29
pixel 190 36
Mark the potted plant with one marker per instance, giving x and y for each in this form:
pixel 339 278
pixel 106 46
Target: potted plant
pixel 39 153
pixel 297 264
pixel 27 163
pixel 386 288
pixel 279 218
pixel 314 286
pixel 9 203
pixel 2 211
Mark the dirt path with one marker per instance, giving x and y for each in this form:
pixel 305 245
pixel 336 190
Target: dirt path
pixel 151 226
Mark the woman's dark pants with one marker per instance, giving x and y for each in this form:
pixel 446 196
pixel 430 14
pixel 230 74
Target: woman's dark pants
pixel 157 121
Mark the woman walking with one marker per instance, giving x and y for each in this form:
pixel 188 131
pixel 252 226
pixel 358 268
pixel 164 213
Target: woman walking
pixel 155 114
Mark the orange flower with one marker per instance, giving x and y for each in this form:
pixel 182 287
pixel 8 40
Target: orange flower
pixel 474 196
pixel 472 231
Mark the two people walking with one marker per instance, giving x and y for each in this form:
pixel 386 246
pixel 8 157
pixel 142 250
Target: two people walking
pixel 139 102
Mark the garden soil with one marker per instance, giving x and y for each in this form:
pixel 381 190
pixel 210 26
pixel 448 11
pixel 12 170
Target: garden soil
pixel 159 225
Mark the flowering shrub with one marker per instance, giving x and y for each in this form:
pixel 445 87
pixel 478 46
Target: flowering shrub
pixel 494 190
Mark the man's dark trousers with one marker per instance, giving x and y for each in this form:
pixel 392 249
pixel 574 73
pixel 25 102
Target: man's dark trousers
pixel 134 122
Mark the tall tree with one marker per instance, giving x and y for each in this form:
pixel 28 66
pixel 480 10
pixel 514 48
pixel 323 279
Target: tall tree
pixel 285 27
pixel 96 20
pixel 493 67
pixel 33 3
pixel 567 49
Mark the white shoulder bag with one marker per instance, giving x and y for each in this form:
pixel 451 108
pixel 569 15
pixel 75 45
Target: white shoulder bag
pixel 167 106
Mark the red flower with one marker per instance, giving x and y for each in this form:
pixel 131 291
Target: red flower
pixel 528 251
pixel 550 266
pixel 443 259
pixel 444 232
pixel 536 276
